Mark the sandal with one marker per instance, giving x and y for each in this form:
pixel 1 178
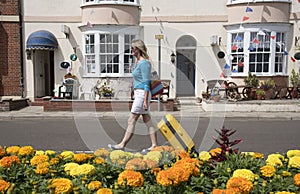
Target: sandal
pixel 147 149
pixel 113 147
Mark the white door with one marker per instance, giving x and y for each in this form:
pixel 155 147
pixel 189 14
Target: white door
pixel 39 73
pixel 185 76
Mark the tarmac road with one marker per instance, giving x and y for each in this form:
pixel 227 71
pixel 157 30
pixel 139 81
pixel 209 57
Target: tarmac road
pixel 264 135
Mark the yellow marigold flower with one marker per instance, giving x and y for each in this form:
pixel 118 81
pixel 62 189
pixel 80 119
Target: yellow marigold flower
pixel 119 154
pixel 99 160
pixel 258 155
pixel 67 155
pixel 49 152
pixel 12 150
pixel 240 184
pixel 292 153
pixel 294 162
pixel 284 192
pixel 204 156
pixel 104 191
pixel 138 155
pixel 2 151
pixel 274 160
pixel 101 153
pixel 84 169
pixel 131 178
pixel 70 166
pixel 214 152
pixel 7 161
pixel 286 173
pixel 26 150
pixel 297 179
pixel 94 185
pixel 244 173
pixel 4 186
pixel 39 152
pixel 35 160
pixel 136 164
pixel 153 155
pixel 62 185
pixel 268 171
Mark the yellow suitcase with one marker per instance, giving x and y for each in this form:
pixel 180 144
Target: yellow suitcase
pixel 175 134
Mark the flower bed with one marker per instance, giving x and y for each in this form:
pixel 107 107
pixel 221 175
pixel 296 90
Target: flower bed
pixel 163 170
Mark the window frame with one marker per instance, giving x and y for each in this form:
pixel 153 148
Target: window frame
pixel 246 30
pixel 232 2
pixel 121 2
pixel 96 31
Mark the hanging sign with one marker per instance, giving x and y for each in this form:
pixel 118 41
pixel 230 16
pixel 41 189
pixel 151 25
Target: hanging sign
pixel 73 57
pixel 64 65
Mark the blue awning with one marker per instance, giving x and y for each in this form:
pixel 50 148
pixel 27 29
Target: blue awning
pixel 41 39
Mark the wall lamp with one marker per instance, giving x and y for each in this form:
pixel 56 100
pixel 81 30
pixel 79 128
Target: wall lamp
pixel 173 57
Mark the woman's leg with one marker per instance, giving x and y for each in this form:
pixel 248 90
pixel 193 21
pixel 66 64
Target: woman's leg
pixel 129 131
pixel 152 132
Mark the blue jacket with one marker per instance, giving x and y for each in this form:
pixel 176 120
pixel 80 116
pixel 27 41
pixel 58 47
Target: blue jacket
pixel 142 75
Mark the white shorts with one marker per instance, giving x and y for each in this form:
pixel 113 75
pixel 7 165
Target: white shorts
pixel 138 102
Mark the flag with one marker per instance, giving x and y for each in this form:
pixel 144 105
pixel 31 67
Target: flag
pixel 251 48
pixel 222 75
pixel 245 18
pixel 234 47
pixel 89 24
pixel 256 41
pixel 226 66
pixel 238 38
pixel 298 1
pixel 292 58
pixel 240 64
pixel 273 37
pixel 248 9
pixel 234 71
pixel 285 53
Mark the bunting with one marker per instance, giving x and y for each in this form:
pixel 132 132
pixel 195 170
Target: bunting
pixel 256 41
pixel 240 64
pixel 89 24
pixel 248 9
pixel 245 18
pixel 292 58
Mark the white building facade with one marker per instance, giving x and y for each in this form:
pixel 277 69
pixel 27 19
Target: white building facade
pixel 210 39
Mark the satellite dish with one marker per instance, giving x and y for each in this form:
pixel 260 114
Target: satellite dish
pixel 221 54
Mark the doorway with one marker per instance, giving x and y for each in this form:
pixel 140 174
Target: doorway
pixel 43 73
pixel 185 71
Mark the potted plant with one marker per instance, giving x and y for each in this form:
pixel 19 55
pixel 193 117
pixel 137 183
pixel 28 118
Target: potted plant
pixel 294 79
pixel 215 95
pixel 260 94
pixel 268 86
pixel 106 90
pixel 253 82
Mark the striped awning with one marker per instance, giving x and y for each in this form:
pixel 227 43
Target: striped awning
pixel 42 39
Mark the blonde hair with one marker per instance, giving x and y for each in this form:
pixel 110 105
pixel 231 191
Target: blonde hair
pixel 139 44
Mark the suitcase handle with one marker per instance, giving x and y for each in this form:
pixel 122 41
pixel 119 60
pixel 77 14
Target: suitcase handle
pixel 179 131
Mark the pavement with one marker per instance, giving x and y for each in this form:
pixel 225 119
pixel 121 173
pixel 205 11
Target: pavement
pixel 288 109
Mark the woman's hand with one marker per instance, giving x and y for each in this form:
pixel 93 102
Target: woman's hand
pixel 145 104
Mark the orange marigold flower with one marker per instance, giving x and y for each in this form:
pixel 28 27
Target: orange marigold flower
pixel 268 171
pixel 42 168
pixel 39 159
pixel 12 150
pixel 7 161
pixel 54 161
pixel 131 178
pixel 94 185
pixel 151 164
pixel 62 185
pixel 215 152
pixel 81 157
pixel 258 155
pixel 164 177
pixel 26 150
pixel 105 191
pixel 99 160
pixel 2 151
pixel 4 186
pixel 297 179
pixel 240 184
pixel 183 154
pixel 163 149
pixel 136 164
pixel 155 170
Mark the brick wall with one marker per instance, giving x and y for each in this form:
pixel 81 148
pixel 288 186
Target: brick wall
pixel 10 63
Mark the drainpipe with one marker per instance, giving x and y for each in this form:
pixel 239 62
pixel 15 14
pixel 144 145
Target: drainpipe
pixel 21 46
